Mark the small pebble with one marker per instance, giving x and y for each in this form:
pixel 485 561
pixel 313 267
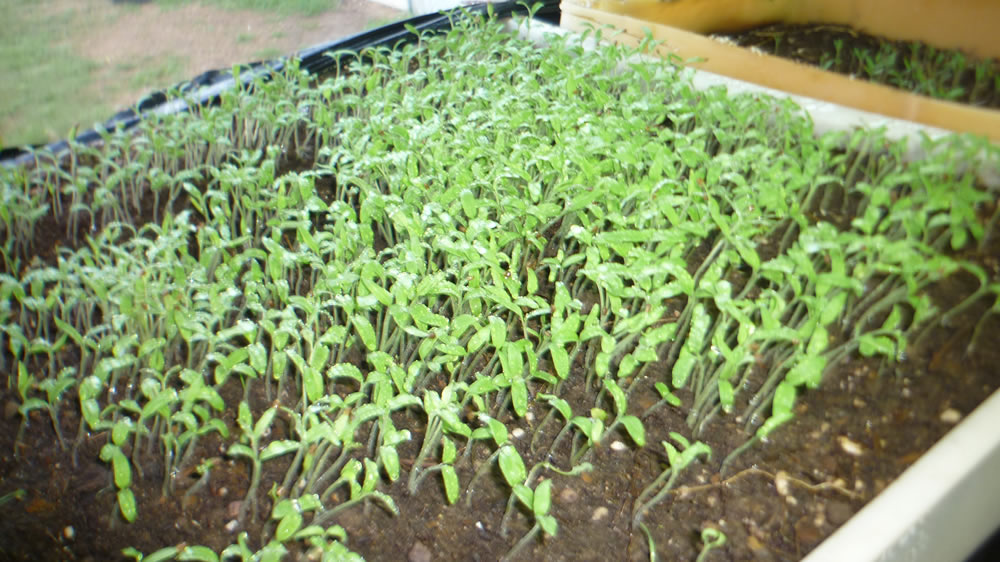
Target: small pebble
pixel 837 512
pixel 10 409
pixel 517 433
pixel 850 447
pixel 618 446
pixel 599 513
pixel 232 526
pixel 69 533
pixel 568 495
pixel 951 416
pixel 781 483
pixel 419 553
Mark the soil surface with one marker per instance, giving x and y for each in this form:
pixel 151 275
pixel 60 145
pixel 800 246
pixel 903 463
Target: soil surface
pixel 847 51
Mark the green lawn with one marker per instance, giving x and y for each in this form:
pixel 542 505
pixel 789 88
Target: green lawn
pixel 46 89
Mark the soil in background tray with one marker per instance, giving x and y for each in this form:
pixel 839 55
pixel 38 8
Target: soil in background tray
pixel 910 65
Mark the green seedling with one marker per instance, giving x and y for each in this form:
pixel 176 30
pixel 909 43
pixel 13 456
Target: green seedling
pixel 330 252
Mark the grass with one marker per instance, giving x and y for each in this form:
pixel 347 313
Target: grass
pixel 629 237
pixel 282 7
pixel 44 91
pixel 168 69
pixel 379 22
pixel 54 87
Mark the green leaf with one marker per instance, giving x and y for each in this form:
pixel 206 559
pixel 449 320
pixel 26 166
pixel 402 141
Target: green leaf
pixel 542 500
pixel 498 332
pixel 665 394
pixel 450 478
pixel 478 339
pixel 241 450
pixel 560 360
pixel 808 371
pixel 512 466
pixel 685 363
pixel 119 465
pixel 635 430
pixel 423 315
pixel 498 431
pixel 784 399
pixel 365 331
pixel 524 494
pixel 313 382
pixel 548 524
pixel 390 460
pixel 159 404
pixel 168 553
pixel 727 395
pixel 617 395
pixel 288 525
pixel 519 396
pixel 264 423
pixel 448 450
pixel 197 553
pixel 772 423
pixel 244 418
pixel 126 503
pixel 277 448
pixel 627 366
pixel 832 308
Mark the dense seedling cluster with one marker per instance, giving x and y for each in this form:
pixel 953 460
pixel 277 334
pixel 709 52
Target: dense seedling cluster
pixel 429 248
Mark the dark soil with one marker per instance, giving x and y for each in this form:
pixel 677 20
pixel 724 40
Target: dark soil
pixel 777 501
pixel 909 65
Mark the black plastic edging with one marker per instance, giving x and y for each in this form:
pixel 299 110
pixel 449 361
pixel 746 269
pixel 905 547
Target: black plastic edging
pixel 205 89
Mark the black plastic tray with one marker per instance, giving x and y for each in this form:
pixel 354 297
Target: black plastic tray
pixel 205 89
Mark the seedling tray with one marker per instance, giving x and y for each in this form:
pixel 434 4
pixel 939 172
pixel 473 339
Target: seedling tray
pixel 306 317
pixel 681 25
